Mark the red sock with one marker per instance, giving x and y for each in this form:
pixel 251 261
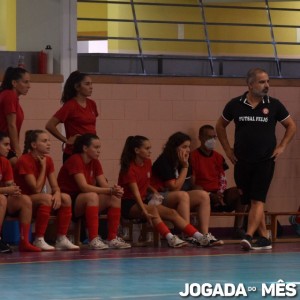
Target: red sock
pixel 113 222
pixel 162 229
pixel 42 219
pixel 189 230
pixel 92 222
pixel 24 245
pixel 63 219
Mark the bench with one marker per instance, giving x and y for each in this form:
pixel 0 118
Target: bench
pixel 272 226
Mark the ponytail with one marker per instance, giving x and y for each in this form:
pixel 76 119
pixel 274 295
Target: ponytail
pixel 128 154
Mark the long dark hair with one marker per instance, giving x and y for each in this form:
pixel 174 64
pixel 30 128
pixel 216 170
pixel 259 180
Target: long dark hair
pixel 31 136
pixel 74 79
pixel 10 75
pixel 170 149
pixel 83 140
pixel 128 154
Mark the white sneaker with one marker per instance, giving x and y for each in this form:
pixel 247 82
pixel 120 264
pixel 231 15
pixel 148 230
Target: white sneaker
pixel 40 243
pixel 118 243
pixel 63 243
pixel 97 244
pixel 213 241
pixel 176 242
pixel 203 241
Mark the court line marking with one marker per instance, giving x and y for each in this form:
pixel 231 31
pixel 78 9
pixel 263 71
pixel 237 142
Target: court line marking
pixel 190 255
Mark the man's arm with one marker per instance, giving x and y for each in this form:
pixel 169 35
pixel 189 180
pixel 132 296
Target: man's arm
pixel 290 130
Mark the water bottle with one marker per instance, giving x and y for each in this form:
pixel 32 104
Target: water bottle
pixel 21 61
pixel 49 52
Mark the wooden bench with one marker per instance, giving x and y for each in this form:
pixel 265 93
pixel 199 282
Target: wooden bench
pixel 273 221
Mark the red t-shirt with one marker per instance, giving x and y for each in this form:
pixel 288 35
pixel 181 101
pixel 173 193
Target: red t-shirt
pixel 207 170
pixel 77 119
pixel 9 104
pixel 6 172
pixel 28 165
pixel 136 174
pixel 75 165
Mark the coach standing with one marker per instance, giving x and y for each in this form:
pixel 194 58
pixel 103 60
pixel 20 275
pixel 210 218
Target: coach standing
pixel 255 115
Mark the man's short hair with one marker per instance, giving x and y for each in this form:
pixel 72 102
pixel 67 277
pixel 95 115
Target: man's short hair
pixel 204 128
pixel 251 75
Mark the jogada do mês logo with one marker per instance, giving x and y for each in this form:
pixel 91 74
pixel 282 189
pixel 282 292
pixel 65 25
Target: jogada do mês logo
pixel 275 289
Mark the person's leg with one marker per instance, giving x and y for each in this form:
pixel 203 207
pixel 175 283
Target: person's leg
pixel 42 205
pixel 87 204
pixel 4 247
pixel 113 205
pixel 64 216
pixel 23 206
pixel 200 202
pixel 232 199
pixel 180 201
pixel 158 224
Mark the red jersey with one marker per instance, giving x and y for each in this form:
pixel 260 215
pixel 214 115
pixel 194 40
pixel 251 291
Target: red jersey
pixel 9 104
pixel 27 165
pixel 208 170
pixel 136 174
pixel 6 172
pixel 75 165
pixel 77 119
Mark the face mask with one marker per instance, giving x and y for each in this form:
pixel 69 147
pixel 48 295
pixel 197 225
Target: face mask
pixel 210 144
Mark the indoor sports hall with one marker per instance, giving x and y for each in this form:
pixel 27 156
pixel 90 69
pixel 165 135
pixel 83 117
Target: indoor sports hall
pixel 157 67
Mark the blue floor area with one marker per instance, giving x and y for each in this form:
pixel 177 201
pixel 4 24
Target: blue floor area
pixel 144 278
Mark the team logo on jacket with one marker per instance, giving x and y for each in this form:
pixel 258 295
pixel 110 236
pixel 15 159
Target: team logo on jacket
pixel 265 111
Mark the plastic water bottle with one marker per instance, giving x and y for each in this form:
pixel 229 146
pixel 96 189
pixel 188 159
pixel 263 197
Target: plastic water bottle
pixel 21 61
pixel 49 52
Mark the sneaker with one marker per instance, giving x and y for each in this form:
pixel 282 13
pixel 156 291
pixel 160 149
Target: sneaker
pixel 203 241
pixel 246 243
pixel 294 223
pixel 63 243
pixel 262 243
pixel 4 248
pixel 118 243
pixel 97 244
pixel 213 241
pixel 176 242
pixel 40 243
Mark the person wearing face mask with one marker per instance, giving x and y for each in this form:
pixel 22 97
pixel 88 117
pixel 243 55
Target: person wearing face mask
pixel 209 168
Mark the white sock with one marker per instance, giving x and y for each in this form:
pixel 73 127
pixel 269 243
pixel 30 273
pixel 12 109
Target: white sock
pixel 169 236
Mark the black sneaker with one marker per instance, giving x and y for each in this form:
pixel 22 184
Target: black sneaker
pixel 262 243
pixel 4 248
pixel 246 243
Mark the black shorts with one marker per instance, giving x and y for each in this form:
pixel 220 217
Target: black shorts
pixel 254 179
pixel 126 205
pixel 222 208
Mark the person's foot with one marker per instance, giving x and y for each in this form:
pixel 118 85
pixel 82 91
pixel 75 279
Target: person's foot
pixel 4 247
pixel 63 243
pixel 262 243
pixel 213 241
pixel 40 243
pixel 27 247
pixel 97 244
pixel 176 242
pixel 246 243
pixel 118 243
